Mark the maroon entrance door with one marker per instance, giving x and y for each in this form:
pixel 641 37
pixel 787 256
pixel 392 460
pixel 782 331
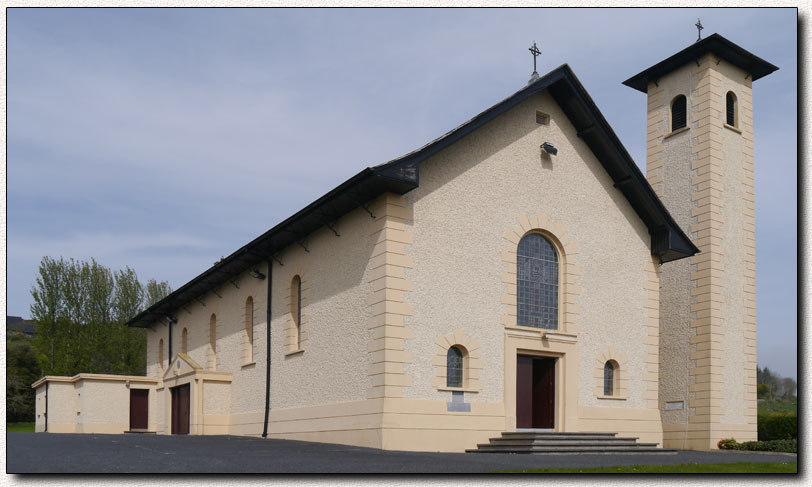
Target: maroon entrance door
pixel 139 409
pixel 180 410
pixel 535 392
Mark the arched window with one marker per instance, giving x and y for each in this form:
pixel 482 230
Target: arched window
pixel 184 341
pixel 678 113
pixel 161 354
pixel 537 283
pixel 454 367
pixel 732 109
pixel 296 309
pixel 249 329
pixel 213 342
pixel 609 377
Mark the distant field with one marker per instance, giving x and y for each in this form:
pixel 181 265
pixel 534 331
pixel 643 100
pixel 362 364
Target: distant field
pixel 19 427
pixel 782 406
pixel 789 467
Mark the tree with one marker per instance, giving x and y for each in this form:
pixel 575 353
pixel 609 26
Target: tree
pixel 22 370
pixel 81 309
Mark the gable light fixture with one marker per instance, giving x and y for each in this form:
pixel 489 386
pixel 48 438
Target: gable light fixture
pixel 549 148
pixel 257 274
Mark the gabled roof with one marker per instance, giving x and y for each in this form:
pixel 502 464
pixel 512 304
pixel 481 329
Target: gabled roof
pixel 757 67
pixel 401 175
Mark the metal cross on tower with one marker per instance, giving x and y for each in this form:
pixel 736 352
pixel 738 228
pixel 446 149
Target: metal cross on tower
pixel 535 51
pixel 699 28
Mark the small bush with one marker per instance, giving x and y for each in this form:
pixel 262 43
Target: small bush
pixel 787 446
pixel 777 426
pixel 728 444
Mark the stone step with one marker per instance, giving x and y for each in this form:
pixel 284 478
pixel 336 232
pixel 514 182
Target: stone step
pixel 565 442
pixel 572 450
pixel 563 437
pixel 501 442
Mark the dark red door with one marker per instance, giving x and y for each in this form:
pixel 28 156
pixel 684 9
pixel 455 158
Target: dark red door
pixel 180 410
pixel 543 392
pixel 524 392
pixel 139 409
pixel 535 392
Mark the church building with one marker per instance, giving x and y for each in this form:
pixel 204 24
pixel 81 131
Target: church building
pixel 519 273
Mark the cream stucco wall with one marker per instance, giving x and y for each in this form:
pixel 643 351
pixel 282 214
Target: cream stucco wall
pixel 469 195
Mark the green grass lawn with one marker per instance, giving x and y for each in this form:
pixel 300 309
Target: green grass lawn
pixel 778 406
pixel 19 427
pixel 757 467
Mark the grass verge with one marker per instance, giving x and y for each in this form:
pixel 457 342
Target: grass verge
pixel 19 427
pixel 742 467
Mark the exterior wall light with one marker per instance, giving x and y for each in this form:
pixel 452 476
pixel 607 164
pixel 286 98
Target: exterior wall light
pixel 549 148
pixel 257 274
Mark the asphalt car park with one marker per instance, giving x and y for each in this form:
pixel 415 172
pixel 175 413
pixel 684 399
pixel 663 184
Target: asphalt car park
pixel 89 453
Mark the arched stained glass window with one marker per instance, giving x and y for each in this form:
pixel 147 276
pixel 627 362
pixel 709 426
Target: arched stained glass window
pixel 608 378
pixel 537 283
pixel 454 367
pixel 679 116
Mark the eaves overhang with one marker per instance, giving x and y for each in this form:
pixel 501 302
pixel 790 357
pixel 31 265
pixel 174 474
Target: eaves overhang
pixel 726 50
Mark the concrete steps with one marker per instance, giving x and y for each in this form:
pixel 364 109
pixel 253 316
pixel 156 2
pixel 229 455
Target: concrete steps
pixel 552 442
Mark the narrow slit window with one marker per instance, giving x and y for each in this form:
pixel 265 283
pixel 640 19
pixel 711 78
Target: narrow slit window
pixel 454 367
pixel 608 379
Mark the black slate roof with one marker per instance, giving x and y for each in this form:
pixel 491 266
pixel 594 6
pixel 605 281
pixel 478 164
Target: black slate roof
pixel 401 175
pixel 730 52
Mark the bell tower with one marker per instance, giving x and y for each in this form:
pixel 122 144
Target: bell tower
pixel 699 160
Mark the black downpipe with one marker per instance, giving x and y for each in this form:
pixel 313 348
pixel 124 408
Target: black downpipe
pixel 268 350
pixel 169 360
pixel 46 406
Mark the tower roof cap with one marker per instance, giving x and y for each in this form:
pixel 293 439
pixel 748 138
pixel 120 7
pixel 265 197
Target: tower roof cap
pixel 730 52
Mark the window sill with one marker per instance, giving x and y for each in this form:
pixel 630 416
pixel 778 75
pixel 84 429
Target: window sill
pixel 676 132
pixel 458 389
pixel 295 352
pixel 612 398
pixel 248 364
pixel 731 127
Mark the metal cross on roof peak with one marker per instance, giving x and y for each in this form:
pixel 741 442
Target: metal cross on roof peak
pixel 535 51
pixel 699 28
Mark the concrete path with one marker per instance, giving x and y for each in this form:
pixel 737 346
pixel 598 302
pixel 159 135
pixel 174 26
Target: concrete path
pixel 73 453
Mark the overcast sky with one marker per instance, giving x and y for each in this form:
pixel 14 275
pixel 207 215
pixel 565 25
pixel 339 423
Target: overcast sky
pixel 165 139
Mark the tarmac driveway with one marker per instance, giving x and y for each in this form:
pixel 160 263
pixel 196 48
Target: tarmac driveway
pixel 85 453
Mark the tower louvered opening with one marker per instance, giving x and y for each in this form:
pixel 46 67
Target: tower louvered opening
pixel 731 109
pixel 678 115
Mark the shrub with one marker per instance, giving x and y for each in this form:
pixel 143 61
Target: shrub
pixel 788 446
pixel 728 444
pixel 777 426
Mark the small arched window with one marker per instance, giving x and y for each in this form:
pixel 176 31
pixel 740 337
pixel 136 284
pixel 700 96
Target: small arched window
pixel 296 309
pixel 609 377
pixel 537 283
pixel 184 341
pixel 678 113
pixel 732 109
pixel 213 342
pixel 454 367
pixel 249 329
pixel 161 354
